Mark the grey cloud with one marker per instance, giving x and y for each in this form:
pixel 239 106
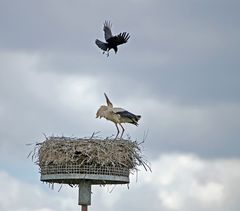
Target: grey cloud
pixel 185 51
pixel 181 55
pixel 35 102
pixel 179 70
pixel 180 182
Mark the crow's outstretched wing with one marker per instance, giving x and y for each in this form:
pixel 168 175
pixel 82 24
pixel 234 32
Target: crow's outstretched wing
pixel 101 44
pixel 120 39
pixel 107 30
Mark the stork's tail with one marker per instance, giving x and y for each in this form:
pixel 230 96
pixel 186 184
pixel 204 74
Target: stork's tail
pixel 138 117
pixel 135 119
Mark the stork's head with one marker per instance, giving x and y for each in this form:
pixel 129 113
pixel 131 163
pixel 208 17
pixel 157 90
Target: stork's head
pixel 101 111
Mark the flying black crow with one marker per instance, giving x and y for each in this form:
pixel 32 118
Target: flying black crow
pixel 111 41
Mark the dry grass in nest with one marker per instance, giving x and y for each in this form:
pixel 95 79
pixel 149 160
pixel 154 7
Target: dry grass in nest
pixel 89 151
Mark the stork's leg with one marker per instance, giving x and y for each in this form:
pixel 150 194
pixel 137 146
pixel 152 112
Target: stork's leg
pixel 122 130
pixel 117 131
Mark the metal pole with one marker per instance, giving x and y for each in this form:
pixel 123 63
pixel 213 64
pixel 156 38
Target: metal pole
pixel 84 197
pixel 84 207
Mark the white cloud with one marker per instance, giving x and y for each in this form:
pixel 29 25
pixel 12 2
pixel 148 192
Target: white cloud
pixel 182 182
pixel 20 196
pixel 45 100
pixel 79 92
pixel 177 182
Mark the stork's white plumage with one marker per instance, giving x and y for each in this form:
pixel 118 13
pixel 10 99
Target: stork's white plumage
pixel 117 115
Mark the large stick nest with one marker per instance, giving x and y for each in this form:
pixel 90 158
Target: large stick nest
pixel 89 151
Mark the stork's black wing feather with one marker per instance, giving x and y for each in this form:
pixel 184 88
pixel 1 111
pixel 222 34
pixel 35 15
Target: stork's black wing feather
pixel 132 118
pixel 128 114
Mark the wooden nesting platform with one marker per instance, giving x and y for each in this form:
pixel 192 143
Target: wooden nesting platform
pixel 70 161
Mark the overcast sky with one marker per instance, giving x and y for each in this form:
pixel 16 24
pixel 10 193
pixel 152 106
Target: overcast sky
pixel 179 70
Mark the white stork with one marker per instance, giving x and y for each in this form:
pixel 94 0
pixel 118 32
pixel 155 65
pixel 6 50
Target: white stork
pixel 117 115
